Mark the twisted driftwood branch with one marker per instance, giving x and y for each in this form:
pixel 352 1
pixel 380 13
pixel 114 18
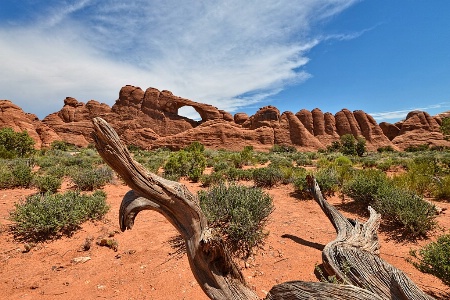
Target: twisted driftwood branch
pixel 352 257
pixel 218 275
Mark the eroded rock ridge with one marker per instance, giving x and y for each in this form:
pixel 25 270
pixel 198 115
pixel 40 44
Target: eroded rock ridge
pixel 149 119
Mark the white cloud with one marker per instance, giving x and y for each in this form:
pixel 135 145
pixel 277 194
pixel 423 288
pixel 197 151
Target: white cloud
pixel 228 54
pixel 401 114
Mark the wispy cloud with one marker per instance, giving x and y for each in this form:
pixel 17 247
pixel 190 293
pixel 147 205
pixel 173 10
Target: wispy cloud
pixel 228 54
pixel 401 114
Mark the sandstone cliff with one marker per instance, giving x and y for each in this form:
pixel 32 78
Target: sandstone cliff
pixel 150 119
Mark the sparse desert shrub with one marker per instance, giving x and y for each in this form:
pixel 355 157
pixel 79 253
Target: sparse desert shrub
pixel 369 162
pixel 302 159
pixel 364 185
pixel 267 177
pixel 239 213
pixel 246 157
pixel 301 186
pixel 47 183
pixel 15 144
pixel 22 174
pixel 434 258
pixel 212 179
pixel 58 171
pixel 418 148
pixel 185 163
pixel 15 173
pixel 89 179
pixel 277 161
pixel 261 157
pixel 61 145
pixel 283 149
pixel 195 147
pixel 406 209
pixel 442 190
pixel 385 149
pixel 6 177
pixel 420 176
pixel 385 164
pixel 328 180
pixel 291 173
pixel 221 165
pixel 41 217
pixel 235 174
pixel 348 145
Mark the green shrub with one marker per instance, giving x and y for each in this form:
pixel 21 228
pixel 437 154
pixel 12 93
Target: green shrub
pixel 6 177
pixel 277 161
pixel 22 174
pixel 212 179
pixel 221 165
pixel 302 159
pixel 406 209
pixel 58 171
pixel 442 190
pixel 195 147
pixel 434 258
pixel 47 183
pixel 385 149
pixel 267 176
pixel 15 173
pixel 246 157
pixel 301 186
pixel 283 149
pixel 385 164
pixel 15 144
pixel 89 179
pixel 348 145
pixel 239 213
pixel 418 148
pixel 289 174
pixel 185 163
pixel 61 145
pixel 364 185
pixel 328 180
pixel 420 176
pixel 234 174
pixel 41 217
pixel 360 146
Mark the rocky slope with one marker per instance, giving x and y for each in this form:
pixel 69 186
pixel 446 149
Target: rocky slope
pixel 150 119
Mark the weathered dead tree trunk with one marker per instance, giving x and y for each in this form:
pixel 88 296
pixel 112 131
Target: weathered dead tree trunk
pixel 211 264
pixel 352 256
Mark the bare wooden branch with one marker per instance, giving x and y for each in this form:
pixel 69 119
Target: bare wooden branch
pixel 353 255
pixel 298 290
pixel 210 262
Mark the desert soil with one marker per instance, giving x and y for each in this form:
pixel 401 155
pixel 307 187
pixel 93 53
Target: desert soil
pixel 147 264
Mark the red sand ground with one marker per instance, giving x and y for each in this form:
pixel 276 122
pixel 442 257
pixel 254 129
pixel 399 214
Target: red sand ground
pixel 146 266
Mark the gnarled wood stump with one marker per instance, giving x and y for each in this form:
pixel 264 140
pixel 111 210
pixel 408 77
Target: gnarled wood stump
pixel 352 256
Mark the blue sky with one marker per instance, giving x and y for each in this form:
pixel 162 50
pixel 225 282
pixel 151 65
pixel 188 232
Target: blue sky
pixel 386 57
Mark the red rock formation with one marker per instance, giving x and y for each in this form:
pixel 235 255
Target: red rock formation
pixel 240 118
pixel 371 131
pixel 419 128
pixel 220 134
pixel 305 116
pixel 346 123
pixel 389 130
pixel 292 132
pixel 265 116
pixel 150 119
pixel 14 117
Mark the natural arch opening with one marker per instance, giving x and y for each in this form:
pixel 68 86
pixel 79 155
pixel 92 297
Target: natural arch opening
pixel 189 112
